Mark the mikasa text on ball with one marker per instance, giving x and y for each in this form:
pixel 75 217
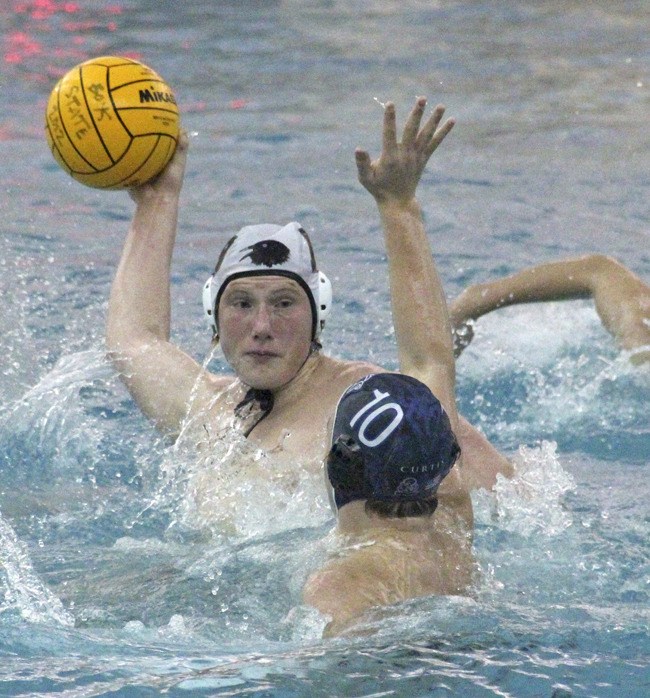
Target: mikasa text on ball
pixel 112 123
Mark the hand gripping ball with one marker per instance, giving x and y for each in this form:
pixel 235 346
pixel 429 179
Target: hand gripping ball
pixel 112 123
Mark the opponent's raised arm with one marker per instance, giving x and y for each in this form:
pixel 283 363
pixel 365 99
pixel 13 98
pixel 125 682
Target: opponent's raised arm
pixel 420 317
pixel 159 375
pixel 395 175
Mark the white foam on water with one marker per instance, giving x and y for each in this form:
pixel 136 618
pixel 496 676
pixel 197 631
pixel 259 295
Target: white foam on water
pixel 242 490
pixel 530 336
pixel 531 502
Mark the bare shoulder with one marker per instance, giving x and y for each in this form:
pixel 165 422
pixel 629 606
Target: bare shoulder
pixel 219 382
pixel 331 377
pixel 336 376
pixel 344 373
pixel 210 391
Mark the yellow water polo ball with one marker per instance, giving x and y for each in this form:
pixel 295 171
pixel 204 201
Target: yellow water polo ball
pixel 112 123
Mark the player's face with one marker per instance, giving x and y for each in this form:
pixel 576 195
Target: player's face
pixel 265 325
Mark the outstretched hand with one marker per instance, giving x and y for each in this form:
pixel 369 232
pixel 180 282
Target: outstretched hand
pixel 170 180
pixel 396 173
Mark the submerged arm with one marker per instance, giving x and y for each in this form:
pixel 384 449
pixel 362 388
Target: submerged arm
pixel 622 300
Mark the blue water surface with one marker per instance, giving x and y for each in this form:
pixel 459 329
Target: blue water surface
pixel 108 584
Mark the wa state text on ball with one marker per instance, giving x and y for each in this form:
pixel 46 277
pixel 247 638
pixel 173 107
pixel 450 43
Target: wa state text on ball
pixel 112 123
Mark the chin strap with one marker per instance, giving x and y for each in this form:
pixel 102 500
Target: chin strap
pixel 255 401
pixel 263 399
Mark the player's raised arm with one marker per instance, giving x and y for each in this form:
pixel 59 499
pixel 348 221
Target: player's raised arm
pixel 159 375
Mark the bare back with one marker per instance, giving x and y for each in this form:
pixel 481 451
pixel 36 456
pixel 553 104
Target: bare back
pixel 392 562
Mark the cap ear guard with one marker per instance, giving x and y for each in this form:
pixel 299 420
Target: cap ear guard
pixel 345 466
pixel 323 302
pixel 210 291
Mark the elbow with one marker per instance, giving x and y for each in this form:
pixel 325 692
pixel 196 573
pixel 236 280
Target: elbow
pixel 601 262
pixel 118 340
pixel 123 347
pixel 132 320
pixel 604 272
pixel 601 265
pixel 120 356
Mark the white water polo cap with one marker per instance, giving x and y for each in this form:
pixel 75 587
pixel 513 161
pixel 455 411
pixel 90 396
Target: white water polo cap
pixel 270 250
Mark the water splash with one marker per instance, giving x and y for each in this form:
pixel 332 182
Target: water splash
pixel 63 430
pixel 240 490
pixel 554 373
pixel 532 501
pixel 23 590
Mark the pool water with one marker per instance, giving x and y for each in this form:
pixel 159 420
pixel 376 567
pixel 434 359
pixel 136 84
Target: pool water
pixel 110 582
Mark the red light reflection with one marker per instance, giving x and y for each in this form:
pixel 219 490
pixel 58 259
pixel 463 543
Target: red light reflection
pixel 57 30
